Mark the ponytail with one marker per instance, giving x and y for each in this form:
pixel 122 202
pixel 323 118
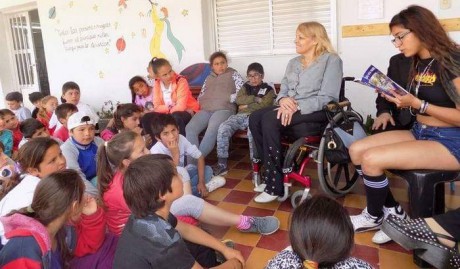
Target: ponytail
pixel 110 156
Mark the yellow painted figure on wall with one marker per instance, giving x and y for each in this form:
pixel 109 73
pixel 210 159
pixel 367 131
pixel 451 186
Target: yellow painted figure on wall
pixel 159 25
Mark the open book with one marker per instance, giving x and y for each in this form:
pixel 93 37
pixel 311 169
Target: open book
pixel 374 78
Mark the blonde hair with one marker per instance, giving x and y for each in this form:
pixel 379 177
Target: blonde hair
pixel 41 110
pixel 317 31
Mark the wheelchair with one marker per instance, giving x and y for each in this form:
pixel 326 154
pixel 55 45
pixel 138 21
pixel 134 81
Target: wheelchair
pixel 335 179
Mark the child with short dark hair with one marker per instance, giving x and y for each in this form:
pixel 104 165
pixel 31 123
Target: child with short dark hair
pixel 14 101
pixel 71 94
pixel 81 148
pixel 32 128
pixel 321 236
pixel 254 95
pixel 172 95
pixel 172 143
pixel 126 117
pixel 12 124
pixel 63 112
pixel 35 98
pixel 152 238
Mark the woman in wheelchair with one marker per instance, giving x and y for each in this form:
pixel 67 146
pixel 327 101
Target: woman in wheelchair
pixel 434 140
pixel 312 79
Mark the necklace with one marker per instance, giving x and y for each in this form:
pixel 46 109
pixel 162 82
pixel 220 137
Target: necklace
pixel 417 87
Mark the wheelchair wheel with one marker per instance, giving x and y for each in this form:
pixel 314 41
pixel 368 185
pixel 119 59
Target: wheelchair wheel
pixel 296 198
pixel 336 179
pixel 294 156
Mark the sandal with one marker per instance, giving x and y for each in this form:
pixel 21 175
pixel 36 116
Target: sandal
pixel 415 234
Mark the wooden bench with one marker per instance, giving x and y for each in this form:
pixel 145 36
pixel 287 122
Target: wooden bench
pixel 240 133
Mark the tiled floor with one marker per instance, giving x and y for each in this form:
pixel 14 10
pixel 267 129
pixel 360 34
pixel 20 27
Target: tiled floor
pixel 237 196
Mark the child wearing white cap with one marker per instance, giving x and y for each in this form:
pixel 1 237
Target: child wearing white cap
pixel 81 148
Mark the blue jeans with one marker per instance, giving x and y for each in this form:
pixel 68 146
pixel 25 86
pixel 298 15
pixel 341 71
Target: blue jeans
pixel 193 173
pixel 449 137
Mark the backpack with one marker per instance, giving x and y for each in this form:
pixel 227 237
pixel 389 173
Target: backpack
pixel 343 129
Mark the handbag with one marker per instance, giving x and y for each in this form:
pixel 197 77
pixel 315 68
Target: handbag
pixel 344 128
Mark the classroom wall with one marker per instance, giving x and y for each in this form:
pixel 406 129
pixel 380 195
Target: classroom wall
pixel 101 44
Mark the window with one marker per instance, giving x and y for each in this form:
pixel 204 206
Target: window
pixel 267 27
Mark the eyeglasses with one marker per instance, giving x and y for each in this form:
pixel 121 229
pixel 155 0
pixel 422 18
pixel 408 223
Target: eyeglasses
pixel 398 40
pixel 256 75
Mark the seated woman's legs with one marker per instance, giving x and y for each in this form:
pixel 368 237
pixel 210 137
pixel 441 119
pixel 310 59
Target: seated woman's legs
pixel 255 126
pixel 392 150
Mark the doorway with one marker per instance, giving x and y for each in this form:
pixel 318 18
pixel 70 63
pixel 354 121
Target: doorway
pixel 28 52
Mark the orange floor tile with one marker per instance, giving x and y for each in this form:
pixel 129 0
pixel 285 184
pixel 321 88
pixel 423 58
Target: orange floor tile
pixel 237 196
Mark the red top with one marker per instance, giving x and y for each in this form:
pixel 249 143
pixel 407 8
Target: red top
pixel 62 133
pixel 117 211
pixel 46 121
pixel 180 95
pixel 17 137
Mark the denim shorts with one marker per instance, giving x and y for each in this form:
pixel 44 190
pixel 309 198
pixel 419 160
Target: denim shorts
pixel 447 136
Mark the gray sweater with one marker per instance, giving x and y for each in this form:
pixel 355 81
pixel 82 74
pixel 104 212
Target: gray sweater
pixel 314 86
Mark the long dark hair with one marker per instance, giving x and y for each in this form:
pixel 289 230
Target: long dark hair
pixel 54 196
pixel 110 156
pixel 124 111
pixel 321 231
pixel 424 24
pixel 31 155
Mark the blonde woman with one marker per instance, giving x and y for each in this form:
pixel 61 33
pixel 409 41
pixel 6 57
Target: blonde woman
pixel 312 79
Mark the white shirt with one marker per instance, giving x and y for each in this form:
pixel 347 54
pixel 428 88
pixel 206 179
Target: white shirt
pixel 81 107
pixel 185 149
pixel 22 113
pixel 20 196
pixel 167 94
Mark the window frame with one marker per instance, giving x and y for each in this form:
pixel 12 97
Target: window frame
pixel 212 7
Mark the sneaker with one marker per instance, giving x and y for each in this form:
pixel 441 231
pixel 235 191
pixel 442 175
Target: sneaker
pixel 265 198
pixel 380 237
pixel 219 169
pixel 260 187
pixel 263 225
pixel 365 222
pixel 220 258
pixel 215 183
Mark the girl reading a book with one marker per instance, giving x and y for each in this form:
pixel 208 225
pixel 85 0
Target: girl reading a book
pixel 312 79
pixel 434 86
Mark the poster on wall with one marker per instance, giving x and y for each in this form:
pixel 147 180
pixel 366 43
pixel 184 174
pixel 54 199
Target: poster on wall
pixel 370 9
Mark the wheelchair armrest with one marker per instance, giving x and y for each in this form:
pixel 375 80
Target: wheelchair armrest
pixel 333 107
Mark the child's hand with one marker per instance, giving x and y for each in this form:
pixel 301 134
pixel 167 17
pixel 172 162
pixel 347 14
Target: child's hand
pixel 173 146
pixel 89 205
pixel 231 253
pixel 201 187
pixel 242 106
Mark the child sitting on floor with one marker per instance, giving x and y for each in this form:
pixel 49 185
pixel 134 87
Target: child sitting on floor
pixel 47 107
pixel 153 238
pixel 12 124
pixel 166 132
pixel 14 100
pixel 81 148
pixel 63 113
pixel 321 236
pixel 32 128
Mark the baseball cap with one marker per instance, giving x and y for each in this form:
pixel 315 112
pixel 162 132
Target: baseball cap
pixel 79 118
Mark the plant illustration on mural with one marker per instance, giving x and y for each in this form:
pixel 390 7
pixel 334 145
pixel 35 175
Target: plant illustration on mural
pixel 159 25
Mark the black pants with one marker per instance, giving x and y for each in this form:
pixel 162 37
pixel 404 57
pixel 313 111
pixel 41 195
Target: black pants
pixel 450 221
pixel 205 256
pixel 266 130
pixel 182 118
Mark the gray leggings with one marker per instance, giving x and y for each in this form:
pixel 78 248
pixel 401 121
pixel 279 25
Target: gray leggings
pixel 209 120
pixel 188 205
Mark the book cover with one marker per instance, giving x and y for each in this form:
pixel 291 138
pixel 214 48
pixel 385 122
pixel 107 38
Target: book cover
pixel 374 78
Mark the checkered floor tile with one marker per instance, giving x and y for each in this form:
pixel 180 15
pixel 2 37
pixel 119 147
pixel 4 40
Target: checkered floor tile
pixel 237 196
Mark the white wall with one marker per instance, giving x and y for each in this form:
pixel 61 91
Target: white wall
pixel 103 72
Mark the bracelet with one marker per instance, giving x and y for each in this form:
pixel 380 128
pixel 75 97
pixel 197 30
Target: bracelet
pixel 423 107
